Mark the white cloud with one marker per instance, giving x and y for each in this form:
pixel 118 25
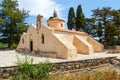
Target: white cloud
pixel 42 7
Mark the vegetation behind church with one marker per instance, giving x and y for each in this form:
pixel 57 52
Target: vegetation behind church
pixel 104 24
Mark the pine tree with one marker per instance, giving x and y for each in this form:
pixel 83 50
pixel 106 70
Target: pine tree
pixel 108 18
pixel 80 19
pixel 12 20
pixel 116 21
pixel 71 19
pixel 103 15
pixel 90 26
pixel 111 32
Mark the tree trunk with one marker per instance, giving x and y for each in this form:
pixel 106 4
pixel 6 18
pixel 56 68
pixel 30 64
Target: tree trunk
pixel 106 38
pixel 9 45
pixel 118 43
pixel 106 34
pixel 10 41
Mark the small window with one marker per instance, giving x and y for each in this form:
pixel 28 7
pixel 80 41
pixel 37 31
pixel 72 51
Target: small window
pixel 48 24
pixel 30 36
pixel 42 38
pixel 23 40
pixel 61 25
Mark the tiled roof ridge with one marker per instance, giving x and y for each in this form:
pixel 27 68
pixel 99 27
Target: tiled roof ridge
pixel 71 31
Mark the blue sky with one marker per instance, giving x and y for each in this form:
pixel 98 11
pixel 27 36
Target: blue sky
pixel 46 7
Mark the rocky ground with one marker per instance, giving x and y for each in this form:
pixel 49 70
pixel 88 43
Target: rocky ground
pixel 9 57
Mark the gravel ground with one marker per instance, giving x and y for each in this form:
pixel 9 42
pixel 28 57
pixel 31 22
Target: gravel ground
pixel 9 57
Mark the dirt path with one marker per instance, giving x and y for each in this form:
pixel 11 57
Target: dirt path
pixel 9 57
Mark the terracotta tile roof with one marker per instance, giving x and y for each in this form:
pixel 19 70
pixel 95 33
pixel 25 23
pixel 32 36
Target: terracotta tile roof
pixel 70 31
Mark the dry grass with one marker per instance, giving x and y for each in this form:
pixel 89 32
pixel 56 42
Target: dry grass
pixel 97 75
pixel 82 75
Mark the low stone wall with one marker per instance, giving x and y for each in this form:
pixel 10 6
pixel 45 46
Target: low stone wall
pixel 89 63
pixel 115 49
pixel 65 66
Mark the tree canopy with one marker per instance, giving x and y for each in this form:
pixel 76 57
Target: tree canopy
pixel 55 13
pixel 12 21
pixel 104 24
pixel 71 19
pixel 106 18
pixel 80 19
pixel 77 21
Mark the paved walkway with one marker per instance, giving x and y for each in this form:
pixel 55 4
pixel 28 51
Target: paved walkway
pixel 9 58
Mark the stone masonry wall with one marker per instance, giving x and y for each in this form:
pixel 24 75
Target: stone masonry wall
pixel 64 66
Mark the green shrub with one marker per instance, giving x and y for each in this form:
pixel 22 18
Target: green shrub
pixel 26 68
pixel 3 45
pixel 44 69
pixel 28 71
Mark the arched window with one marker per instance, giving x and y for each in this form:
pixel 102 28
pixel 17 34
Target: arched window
pixel 23 40
pixel 48 24
pixel 31 37
pixel 42 38
pixel 61 25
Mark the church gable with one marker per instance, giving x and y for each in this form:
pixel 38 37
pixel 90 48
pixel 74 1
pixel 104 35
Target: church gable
pixel 31 29
pixel 45 29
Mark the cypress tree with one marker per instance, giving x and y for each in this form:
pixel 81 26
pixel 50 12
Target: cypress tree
pixel 71 19
pixel 55 13
pixel 80 19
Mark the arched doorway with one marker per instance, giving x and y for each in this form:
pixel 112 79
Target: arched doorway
pixel 31 43
pixel 42 39
pixel 31 46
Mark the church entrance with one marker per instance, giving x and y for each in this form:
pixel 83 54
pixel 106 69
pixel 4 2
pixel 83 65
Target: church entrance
pixel 31 46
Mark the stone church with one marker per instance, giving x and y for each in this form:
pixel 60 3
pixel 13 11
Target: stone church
pixel 52 40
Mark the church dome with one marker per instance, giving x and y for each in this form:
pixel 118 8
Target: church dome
pixel 56 23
